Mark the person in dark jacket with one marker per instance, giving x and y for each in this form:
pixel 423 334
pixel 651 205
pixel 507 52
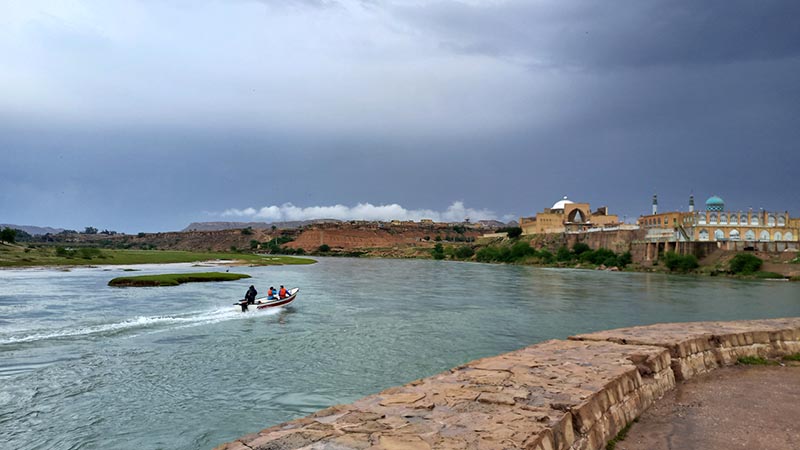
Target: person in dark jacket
pixel 250 296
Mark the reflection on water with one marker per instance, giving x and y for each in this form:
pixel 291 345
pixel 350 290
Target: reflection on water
pixel 180 367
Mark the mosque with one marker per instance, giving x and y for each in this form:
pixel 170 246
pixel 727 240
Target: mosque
pixel 717 224
pixel 568 216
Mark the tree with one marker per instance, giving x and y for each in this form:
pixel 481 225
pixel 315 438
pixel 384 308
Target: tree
pixel 8 235
pixel 90 230
pixel 437 252
pixel 324 248
pixel 514 232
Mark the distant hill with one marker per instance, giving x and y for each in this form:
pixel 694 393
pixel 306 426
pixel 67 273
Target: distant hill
pixel 492 223
pixel 217 226
pixel 30 229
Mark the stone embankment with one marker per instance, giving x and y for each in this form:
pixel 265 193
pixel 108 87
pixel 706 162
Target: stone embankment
pixel 575 394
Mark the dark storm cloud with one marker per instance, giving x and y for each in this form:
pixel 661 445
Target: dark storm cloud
pixel 148 115
pixel 630 33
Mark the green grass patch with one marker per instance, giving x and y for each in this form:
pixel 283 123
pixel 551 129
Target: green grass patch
pixel 64 256
pixel 755 361
pixel 768 275
pixel 793 357
pixel 623 433
pixel 174 279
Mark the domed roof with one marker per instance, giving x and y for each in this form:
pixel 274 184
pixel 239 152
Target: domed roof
pixel 715 204
pixel 562 203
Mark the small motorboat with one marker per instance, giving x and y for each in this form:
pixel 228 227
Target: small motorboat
pixel 264 303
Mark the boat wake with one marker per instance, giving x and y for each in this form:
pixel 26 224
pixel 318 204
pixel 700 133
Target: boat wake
pixel 140 324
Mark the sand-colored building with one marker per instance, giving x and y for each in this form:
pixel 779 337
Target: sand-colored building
pixel 565 216
pixel 715 223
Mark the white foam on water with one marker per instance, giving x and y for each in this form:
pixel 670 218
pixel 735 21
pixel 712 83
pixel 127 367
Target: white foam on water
pixel 181 321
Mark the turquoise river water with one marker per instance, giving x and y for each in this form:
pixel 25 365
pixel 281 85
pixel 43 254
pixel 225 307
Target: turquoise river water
pixel 87 366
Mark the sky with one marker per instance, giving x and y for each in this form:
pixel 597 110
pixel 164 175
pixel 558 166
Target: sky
pixel 148 115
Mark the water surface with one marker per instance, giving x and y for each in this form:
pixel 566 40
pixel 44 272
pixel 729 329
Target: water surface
pixel 87 366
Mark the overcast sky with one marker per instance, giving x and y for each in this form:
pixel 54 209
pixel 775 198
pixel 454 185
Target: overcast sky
pixel 148 115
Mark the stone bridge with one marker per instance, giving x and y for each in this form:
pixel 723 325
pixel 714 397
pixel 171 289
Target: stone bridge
pixel 556 395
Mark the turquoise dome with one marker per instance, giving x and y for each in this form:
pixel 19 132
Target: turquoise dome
pixel 715 203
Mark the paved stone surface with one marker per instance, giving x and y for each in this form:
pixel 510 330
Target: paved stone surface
pixel 732 408
pixel 556 395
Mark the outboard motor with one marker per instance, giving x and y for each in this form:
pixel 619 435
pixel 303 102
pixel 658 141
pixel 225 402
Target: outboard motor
pixel 244 306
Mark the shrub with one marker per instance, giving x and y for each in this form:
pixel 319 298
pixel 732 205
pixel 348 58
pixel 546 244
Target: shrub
pixel 464 252
pixel 494 254
pixel 247 231
pixel 545 256
pixel 563 254
pixel 64 253
pixel 89 253
pixel 253 244
pixel 745 264
pixel 677 263
pixel 603 256
pixel 624 259
pixel 324 248
pixel 580 247
pixel 521 250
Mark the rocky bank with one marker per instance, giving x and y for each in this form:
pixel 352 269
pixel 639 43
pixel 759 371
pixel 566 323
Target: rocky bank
pixel 572 394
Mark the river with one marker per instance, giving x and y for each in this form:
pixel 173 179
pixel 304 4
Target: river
pixel 87 366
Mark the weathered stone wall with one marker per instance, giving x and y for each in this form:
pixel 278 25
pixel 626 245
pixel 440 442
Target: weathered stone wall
pixel 617 240
pixel 699 347
pixel 556 395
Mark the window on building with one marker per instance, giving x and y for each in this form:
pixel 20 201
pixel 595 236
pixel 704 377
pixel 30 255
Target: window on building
pixel 778 236
pixel 734 220
pixel 764 235
pixel 788 236
pixel 749 235
pixel 702 220
pixel 723 219
pixel 781 221
pixel 753 220
pixel 712 219
pixel 719 235
pixel 771 220
pixel 703 235
pixel 734 235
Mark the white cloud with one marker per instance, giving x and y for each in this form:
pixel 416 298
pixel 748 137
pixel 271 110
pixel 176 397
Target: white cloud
pixel 456 212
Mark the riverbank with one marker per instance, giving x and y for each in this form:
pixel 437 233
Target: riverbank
pixel 565 395
pixel 18 256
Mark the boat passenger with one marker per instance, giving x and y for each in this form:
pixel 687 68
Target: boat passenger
pixel 250 296
pixel 271 293
pixel 283 293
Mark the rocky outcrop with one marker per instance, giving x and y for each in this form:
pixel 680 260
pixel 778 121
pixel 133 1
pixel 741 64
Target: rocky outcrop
pixel 574 394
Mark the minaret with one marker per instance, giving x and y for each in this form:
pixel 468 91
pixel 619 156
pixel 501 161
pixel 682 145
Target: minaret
pixel 691 203
pixel 655 204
